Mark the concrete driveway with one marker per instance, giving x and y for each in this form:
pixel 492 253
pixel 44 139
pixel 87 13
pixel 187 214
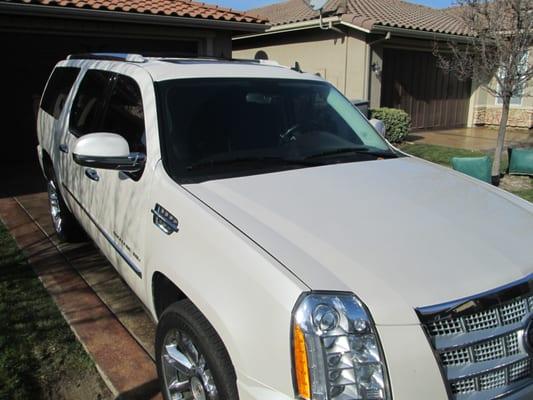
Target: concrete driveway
pixel 479 138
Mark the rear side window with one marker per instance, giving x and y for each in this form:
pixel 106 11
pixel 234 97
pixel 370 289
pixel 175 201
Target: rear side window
pixel 57 90
pixel 86 113
pixel 124 115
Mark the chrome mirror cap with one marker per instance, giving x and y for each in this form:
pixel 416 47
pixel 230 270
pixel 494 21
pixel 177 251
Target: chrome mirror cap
pixel 107 151
pixel 379 126
pixel 134 162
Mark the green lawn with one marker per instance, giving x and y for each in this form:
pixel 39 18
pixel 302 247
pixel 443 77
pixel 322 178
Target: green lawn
pixel 438 154
pixel 525 194
pixel 39 355
pixel 442 155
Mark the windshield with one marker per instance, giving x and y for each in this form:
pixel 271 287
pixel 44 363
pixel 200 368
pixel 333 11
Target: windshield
pixel 218 127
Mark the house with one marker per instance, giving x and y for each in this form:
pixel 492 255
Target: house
pixel 380 50
pixel 38 33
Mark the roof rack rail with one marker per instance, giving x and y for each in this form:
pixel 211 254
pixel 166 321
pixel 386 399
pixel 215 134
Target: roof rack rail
pixel 222 59
pixel 258 61
pixel 136 58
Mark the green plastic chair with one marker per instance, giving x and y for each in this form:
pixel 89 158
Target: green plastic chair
pixel 520 161
pixel 476 167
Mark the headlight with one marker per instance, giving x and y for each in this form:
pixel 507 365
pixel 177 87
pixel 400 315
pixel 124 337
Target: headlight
pixel 336 351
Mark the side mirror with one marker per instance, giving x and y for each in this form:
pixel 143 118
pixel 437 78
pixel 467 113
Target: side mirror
pixel 379 126
pixel 107 151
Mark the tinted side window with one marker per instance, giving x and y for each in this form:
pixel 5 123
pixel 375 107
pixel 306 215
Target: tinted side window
pixel 124 114
pixel 57 90
pixel 86 113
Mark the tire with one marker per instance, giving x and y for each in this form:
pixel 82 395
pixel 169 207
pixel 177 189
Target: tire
pixel 65 224
pixel 206 372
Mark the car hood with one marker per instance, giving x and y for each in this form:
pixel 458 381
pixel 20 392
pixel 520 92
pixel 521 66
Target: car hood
pixel 399 233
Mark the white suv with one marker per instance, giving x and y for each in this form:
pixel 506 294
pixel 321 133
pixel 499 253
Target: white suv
pixel 284 247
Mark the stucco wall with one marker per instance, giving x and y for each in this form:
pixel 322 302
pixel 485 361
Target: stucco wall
pixel 339 58
pixel 344 59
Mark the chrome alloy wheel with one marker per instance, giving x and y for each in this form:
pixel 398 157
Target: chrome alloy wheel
pixel 55 206
pixel 185 370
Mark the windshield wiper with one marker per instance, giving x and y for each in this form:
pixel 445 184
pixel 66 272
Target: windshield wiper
pixel 250 160
pixel 353 150
pixel 305 161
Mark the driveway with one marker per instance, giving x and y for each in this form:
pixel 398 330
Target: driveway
pixel 479 138
pixel 105 315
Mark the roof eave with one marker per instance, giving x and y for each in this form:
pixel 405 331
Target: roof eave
pixel 121 16
pixel 419 34
pixel 368 28
pixel 301 25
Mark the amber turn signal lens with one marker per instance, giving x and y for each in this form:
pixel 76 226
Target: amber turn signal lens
pixel 300 364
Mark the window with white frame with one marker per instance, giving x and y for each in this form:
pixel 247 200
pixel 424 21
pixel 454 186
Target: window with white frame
pixel 516 99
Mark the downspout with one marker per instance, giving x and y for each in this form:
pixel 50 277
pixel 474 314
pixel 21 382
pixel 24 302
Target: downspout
pixel 347 37
pixel 343 9
pixel 340 10
pixel 329 26
pixel 366 81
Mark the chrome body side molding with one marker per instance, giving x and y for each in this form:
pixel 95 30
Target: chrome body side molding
pixel 135 268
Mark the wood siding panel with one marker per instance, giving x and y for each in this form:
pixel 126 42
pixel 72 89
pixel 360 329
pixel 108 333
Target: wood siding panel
pixel 413 82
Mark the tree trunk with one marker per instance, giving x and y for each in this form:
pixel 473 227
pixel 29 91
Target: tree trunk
pixel 501 140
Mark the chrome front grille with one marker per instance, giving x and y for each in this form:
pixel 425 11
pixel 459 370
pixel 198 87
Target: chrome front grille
pixel 502 315
pixel 480 344
pixel 483 351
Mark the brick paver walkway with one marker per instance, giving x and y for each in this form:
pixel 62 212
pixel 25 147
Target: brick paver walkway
pixel 103 313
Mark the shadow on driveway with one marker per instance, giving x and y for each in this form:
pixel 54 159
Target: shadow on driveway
pixel 22 178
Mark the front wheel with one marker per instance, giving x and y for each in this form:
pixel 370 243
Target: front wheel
pixel 192 361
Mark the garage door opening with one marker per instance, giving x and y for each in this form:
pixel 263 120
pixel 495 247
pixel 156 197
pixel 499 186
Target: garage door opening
pixel 27 62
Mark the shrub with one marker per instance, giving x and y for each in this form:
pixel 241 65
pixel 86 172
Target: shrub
pixel 396 121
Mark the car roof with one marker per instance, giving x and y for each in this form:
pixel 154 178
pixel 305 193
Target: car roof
pixel 162 69
pixel 172 69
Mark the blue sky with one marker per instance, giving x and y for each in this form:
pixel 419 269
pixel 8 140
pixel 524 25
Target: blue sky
pixel 247 4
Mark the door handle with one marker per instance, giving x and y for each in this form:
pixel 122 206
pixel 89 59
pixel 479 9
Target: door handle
pixel 63 148
pixel 92 174
pixel 164 220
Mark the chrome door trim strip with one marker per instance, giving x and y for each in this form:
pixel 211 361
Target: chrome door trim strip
pixel 121 253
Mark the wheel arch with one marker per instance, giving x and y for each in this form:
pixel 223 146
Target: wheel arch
pixel 164 293
pixel 48 165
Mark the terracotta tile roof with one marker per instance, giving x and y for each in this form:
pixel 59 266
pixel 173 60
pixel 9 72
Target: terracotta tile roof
pixel 368 14
pixel 177 8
